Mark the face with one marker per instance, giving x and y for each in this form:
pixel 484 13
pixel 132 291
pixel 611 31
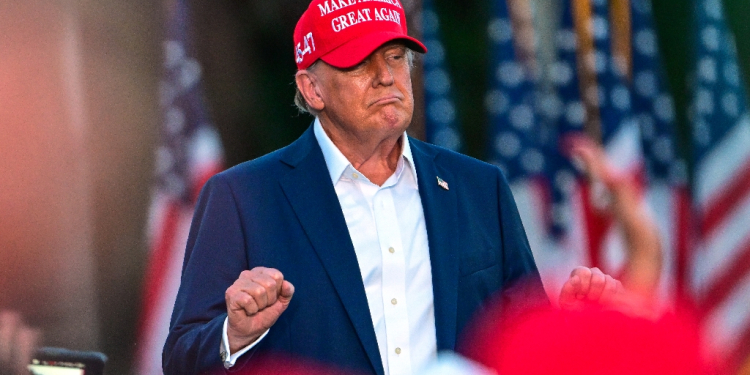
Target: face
pixel 372 99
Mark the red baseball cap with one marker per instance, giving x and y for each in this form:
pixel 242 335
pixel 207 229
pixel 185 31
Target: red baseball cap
pixel 344 32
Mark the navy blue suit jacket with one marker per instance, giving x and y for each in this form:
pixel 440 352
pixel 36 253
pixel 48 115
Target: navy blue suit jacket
pixel 281 211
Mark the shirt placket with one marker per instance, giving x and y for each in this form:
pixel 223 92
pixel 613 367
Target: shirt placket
pixel 394 282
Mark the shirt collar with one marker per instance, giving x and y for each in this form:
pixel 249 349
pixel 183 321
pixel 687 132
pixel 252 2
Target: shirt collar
pixel 337 162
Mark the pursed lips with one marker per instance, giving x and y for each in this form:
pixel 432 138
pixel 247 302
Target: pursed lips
pixel 387 99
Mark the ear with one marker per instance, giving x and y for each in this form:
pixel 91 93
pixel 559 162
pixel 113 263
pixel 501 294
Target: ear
pixel 308 87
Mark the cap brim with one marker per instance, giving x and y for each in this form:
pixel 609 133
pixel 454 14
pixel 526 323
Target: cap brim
pixel 354 51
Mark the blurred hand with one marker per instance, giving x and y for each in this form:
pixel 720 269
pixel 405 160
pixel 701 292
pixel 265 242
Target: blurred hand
pixel 622 191
pixel 17 343
pixel 642 269
pixel 589 286
pixel 254 303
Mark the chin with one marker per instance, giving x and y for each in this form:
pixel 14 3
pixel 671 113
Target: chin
pixel 397 120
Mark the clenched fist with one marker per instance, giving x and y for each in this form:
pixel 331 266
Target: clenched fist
pixel 589 285
pixel 254 303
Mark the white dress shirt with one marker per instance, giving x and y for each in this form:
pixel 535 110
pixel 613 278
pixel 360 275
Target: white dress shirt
pixel 387 227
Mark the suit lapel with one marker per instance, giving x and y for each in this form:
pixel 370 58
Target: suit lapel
pixel 313 198
pixel 440 212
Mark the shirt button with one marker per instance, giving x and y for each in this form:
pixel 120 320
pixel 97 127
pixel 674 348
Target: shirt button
pixel 224 356
pixel 393 301
pixel 398 350
pixel 391 250
pixel 355 176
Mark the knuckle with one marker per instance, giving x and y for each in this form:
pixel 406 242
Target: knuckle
pixel 274 274
pixel 581 271
pixel 266 282
pixel 246 274
pixel 244 300
pixel 257 290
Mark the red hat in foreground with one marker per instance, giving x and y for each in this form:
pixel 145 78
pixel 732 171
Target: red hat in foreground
pixel 592 341
pixel 344 32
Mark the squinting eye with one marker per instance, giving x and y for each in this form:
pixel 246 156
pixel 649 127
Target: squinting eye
pixel 397 56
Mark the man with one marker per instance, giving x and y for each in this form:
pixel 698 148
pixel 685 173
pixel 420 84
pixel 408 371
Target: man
pixel 355 245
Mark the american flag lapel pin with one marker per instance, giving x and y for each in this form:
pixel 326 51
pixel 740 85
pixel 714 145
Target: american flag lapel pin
pixel 442 183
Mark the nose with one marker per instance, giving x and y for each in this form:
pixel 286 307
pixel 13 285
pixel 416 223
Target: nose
pixel 383 71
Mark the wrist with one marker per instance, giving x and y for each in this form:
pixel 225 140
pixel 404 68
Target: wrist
pixel 238 341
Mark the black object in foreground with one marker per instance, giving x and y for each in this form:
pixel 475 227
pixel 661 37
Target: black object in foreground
pixel 59 361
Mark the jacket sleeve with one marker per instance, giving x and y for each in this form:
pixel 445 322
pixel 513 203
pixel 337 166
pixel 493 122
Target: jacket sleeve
pixel 215 256
pixel 522 285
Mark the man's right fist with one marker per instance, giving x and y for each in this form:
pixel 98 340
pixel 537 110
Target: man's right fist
pixel 254 303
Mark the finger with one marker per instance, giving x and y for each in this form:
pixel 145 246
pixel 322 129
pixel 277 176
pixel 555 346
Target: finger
pixel 276 275
pixel 239 301
pixel 252 283
pixel 240 296
pixel 609 293
pixel 584 273
pixel 596 287
pixel 586 154
pixel 287 291
pixel 568 294
pixel 259 294
pixel 262 284
pixel 271 286
pixel 593 160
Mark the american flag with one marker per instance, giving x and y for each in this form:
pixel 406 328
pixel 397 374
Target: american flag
pixel 519 141
pixel 721 187
pixel 666 191
pixel 609 95
pixel 441 123
pixel 189 152
pixel 592 94
pixel 514 131
pixel 562 111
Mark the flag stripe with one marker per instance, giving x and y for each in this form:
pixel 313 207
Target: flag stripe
pixel 152 341
pixel 725 323
pixel 720 248
pixel 159 261
pixel 724 202
pixel 723 285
